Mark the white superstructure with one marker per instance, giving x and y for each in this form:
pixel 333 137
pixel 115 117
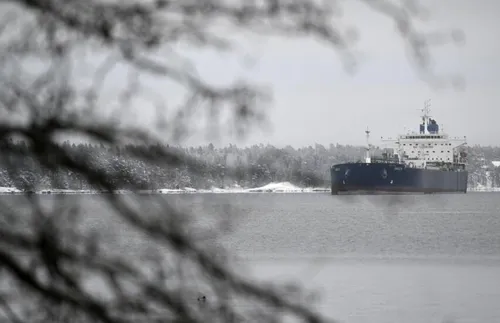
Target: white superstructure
pixel 429 148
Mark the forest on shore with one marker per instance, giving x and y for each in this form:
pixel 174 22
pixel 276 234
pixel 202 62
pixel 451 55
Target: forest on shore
pixel 250 167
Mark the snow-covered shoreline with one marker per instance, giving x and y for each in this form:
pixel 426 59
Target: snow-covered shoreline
pixel 483 188
pixel 284 187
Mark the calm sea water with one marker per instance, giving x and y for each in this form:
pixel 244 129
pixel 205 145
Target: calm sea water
pixel 427 258
pixel 380 258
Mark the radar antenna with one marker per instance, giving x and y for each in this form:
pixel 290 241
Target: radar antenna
pixel 425 114
pixel 427 106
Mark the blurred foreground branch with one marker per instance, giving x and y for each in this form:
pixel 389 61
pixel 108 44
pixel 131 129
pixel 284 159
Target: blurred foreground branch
pixel 54 268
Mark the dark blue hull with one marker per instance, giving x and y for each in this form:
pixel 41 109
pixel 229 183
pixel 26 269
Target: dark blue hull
pixel 394 178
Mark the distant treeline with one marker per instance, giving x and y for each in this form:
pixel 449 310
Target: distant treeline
pixel 252 166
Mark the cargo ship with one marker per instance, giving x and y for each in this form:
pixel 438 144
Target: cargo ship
pixel 425 161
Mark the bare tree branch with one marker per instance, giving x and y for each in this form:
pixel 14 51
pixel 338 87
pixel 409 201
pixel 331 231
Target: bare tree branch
pixel 44 251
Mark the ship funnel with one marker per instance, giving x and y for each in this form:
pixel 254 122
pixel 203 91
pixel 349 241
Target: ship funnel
pixel 432 127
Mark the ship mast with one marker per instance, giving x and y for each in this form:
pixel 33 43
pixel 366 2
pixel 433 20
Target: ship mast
pixel 425 115
pixel 367 155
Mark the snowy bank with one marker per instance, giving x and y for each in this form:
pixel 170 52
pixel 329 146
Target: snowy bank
pixel 284 187
pixel 481 188
pixel 9 190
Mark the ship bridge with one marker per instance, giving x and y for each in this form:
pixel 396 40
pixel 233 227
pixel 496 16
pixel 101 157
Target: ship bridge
pixel 429 147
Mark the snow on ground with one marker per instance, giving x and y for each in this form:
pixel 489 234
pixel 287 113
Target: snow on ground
pixel 63 191
pixel 283 187
pixel 482 188
pixel 7 190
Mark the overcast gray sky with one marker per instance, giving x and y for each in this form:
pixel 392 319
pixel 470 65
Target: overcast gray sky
pixel 316 101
